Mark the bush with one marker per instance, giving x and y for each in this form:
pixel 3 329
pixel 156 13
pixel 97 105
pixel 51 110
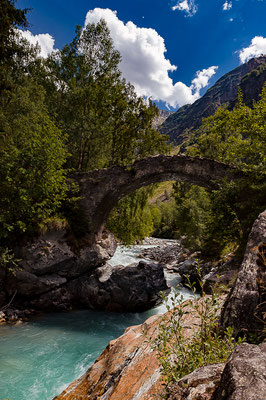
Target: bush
pixel 180 353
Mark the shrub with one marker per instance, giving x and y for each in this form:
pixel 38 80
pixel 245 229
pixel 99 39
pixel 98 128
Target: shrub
pixel 180 352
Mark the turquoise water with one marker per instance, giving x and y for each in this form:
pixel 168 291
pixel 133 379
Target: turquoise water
pixel 39 359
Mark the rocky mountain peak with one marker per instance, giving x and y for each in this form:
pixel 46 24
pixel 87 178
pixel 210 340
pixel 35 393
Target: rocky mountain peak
pixel 250 77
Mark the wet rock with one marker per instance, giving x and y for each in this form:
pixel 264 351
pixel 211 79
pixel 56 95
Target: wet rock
pixel 199 385
pixel 167 252
pixel 186 267
pixel 132 288
pixel 244 376
pixel 245 305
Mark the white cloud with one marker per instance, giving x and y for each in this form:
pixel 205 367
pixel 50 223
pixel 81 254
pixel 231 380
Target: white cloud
pixel 256 48
pixel 44 40
pixel 144 63
pixel 203 77
pixel 188 6
pixel 227 5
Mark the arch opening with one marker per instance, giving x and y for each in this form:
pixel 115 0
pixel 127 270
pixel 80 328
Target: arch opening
pixel 102 189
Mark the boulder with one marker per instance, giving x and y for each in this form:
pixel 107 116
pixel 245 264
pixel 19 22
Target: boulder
pixel 244 376
pixel 169 253
pixel 189 268
pixel 245 305
pixel 132 288
pixel 199 385
pixel 47 268
pixel 213 279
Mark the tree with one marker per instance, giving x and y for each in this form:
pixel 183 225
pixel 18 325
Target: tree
pixel 10 47
pixel 32 155
pixel 106 122
pixel 236 137
pixel 132 219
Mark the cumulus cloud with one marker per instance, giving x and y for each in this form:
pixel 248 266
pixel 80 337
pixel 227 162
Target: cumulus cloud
pixel 227 5
pixel 44 40
pixel 203 77
pixel 144 63
pixel 188 6
pixel 256 48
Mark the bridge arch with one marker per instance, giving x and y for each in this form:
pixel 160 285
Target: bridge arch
pixel 102 189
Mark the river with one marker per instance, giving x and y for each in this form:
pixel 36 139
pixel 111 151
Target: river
pixel 39 358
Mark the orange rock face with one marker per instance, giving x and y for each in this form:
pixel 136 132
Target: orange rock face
pixel 126 370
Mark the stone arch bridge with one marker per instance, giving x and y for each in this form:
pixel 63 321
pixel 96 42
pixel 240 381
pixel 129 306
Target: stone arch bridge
pixel 102 189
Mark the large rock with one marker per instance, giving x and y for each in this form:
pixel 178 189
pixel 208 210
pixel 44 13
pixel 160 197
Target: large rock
pixel 132 288
pixel 243 309
pixel 218 279
pixel 48 265
pixel 127 369
pixel 198 385
pixel 244 376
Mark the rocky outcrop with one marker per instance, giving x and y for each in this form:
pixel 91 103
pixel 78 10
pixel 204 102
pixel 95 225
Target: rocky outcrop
pixel 52 277
pixel 161 117
pixel 223 92
pixel 133 288
pixel 48 267
pixel 244 376
pixel 199 385
pixel 245 305
pixel 128 368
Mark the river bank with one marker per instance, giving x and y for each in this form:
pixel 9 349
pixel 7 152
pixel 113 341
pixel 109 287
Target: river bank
pixel 41 356
pixel 128 368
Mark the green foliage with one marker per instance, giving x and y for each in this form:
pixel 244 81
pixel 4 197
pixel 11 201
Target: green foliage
pixel 70 111
pixel 8 261
pixel 236 137
pixel 193 213
pixel 164 217
pixel 106 122
pixel 179 351
pixel 10 18
pixel 32 155
pixel 131 220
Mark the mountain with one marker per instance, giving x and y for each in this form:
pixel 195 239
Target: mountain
pixel 250 77
pixel 162 116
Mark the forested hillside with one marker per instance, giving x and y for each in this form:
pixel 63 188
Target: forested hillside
pixel 249 77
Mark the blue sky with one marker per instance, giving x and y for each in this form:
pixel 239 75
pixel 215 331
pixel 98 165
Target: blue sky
pixel 172 50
